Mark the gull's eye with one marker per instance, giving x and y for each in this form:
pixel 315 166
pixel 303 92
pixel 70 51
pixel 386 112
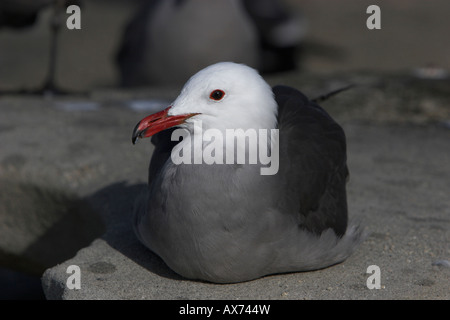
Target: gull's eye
pixel 217 95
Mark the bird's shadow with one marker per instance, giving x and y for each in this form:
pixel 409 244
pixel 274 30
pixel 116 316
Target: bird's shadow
pixel 116 203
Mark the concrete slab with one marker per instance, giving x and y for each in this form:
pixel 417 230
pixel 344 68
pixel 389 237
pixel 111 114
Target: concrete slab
pixel 399 188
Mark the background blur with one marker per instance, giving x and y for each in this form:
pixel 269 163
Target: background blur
pixel 414 34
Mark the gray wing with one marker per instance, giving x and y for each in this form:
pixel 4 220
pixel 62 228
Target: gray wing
pixel 312 163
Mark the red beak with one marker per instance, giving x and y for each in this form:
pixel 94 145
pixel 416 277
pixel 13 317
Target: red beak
pixel 157 122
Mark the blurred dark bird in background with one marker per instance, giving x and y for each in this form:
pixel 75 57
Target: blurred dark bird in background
pixel 20 13
pixel 167 41
pixel 24 13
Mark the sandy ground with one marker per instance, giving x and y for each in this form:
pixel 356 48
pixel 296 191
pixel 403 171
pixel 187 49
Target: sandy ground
pixel 398 149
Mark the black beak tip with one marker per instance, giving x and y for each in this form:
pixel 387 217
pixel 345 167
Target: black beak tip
pixel 136 134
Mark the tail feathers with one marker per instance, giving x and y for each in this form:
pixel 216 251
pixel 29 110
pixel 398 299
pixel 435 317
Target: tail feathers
pixel 338 249
pixel 318 252
pixel 332 93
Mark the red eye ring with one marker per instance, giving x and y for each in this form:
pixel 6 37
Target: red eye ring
pixel 217 95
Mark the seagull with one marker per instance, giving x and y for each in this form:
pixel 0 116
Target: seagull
pixel 227 222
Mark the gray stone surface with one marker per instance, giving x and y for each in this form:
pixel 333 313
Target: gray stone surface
pixel 400 173
pixel 398 188
pixel 34 217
